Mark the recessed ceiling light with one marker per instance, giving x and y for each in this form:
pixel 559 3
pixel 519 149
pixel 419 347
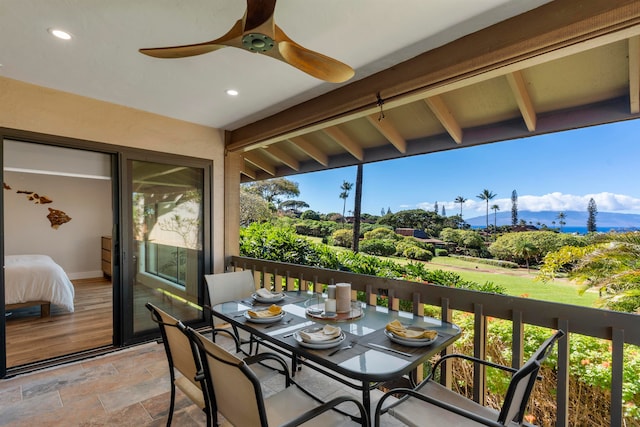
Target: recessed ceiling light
pixel 232 92
pixel 60 34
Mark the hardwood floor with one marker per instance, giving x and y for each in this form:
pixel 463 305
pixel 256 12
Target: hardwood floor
pixel 32 339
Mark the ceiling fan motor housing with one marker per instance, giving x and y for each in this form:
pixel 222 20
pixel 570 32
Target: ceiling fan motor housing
pixel 256 42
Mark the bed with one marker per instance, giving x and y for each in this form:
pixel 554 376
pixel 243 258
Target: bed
pixel 36 280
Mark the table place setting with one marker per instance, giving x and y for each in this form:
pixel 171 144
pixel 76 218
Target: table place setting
pixel 411 336
pixel 320 338
pixel 265 296
pixel 269 315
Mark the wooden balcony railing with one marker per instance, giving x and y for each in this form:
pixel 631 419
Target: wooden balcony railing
pixel 619 328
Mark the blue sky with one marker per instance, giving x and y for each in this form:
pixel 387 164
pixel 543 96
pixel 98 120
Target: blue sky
pixel 556 172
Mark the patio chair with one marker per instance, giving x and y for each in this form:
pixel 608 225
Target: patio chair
pixel 182 356
pixel 232 286
pixel 441 406
pixel 238 396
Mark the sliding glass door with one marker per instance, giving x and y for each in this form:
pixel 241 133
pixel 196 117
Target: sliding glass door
pixel 165 260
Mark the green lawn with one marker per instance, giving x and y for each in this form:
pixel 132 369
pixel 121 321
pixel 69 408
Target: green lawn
pixel 517 282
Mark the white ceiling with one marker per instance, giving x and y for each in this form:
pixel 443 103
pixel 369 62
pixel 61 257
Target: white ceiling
pixel 102 60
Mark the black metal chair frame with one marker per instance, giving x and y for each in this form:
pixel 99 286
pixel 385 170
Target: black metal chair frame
pixel 261 358
pixel 209 410
pixel 528 370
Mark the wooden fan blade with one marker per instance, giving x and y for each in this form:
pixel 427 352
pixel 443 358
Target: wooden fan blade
pixel 258 13
pixel 231 38
pixel 181 51
pixel 313 63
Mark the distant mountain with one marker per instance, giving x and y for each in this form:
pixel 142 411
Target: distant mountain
pixel 604 220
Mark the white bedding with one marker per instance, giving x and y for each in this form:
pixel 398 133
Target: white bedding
pixel 36 278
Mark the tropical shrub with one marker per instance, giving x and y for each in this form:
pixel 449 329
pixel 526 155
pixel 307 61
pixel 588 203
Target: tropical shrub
pixel 531 246
pixel 414 252
pixel 382 233
pixel 442 252
pixel 610 265
pixel 310 214
pixel 429 221
pixel 488 261
pixel 315 228
pixel 365 227
pixel 380 247
pixel 342 238
pixel 409 241
pixel 264 241
pixel 467 242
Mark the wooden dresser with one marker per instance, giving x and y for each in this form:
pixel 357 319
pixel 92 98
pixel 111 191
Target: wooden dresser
pixel 106 256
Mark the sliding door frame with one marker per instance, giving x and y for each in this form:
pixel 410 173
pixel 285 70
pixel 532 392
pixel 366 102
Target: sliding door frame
pixel 122 323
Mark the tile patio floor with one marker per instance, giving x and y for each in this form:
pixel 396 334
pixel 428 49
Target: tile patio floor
pixel 125 388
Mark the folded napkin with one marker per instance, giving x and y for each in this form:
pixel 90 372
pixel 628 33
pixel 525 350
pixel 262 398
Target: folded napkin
pixel 265 293
pixel 325 334
pixel 400 330
pixel 272 311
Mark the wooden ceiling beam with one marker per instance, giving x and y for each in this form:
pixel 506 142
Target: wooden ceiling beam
pixel 550 31
pixel 520 92
pixel 346 142
pixel 389 131
pixel 256 160
pixel 446 118
pixel 311 150
pixel 283 157
pixel 634 74
pixel 247 171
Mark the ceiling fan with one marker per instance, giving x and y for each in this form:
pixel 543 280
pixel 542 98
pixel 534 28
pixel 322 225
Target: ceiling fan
pixel 257 32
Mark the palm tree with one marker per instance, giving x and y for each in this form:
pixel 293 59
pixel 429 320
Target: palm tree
pixel 525 250
pixel 495 209
pixel 561 219
pixel 345 187
pixel 486 195
pixel 460 200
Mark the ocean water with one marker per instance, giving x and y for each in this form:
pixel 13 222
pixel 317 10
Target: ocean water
pixel 583 230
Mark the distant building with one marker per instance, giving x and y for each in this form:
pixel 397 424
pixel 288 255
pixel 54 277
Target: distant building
pixel 421 235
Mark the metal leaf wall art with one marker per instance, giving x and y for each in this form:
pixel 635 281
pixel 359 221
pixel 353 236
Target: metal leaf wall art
pixel 56 217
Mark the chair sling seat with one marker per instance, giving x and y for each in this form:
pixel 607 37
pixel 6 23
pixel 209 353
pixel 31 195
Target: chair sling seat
pixel 291 402
pixel 183 366
pixel 434 403
pixel 238 395
pixel 223 287
pixel 413 412
pixel 191 390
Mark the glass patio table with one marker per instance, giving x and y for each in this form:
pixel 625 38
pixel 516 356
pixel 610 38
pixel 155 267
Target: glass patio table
pixel 373 359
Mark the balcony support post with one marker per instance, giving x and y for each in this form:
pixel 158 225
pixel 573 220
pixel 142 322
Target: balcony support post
pixel 562 398
pixel 446 373
pixel 617 375
pixel 517 345
pixel 480 352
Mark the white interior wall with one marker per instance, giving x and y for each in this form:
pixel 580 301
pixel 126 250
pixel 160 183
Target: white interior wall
pixel 75 245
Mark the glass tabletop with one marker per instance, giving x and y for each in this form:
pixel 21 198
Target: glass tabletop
pixel 374 357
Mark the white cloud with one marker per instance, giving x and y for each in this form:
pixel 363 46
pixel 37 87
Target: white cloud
pixel 605 202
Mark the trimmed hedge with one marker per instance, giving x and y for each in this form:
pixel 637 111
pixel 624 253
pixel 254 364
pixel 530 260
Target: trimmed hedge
pixel 488 261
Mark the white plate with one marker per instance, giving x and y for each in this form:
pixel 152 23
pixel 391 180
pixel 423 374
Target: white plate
pixel 320 345
pixel 417 329
pixel 271 319
pixel 409 342
pixel 275 298
pixel 331 329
